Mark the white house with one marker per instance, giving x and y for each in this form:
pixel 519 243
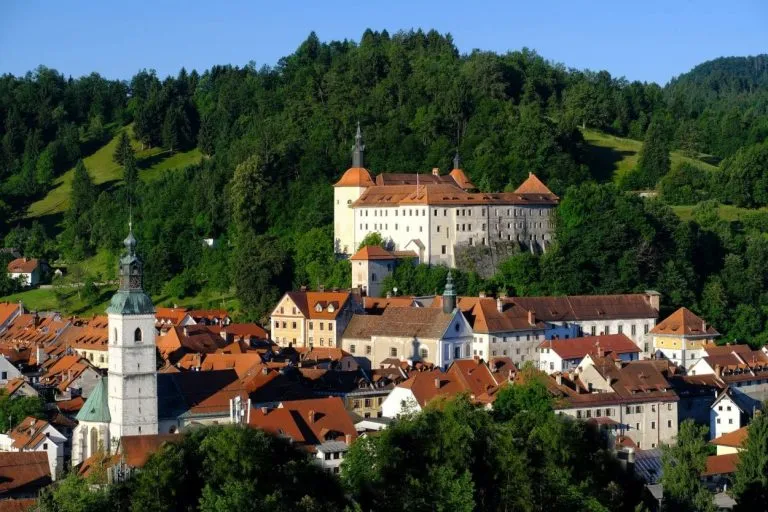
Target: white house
pixel 560 355
pixel 34 435
pixel 7 371
pixel 26 270
pixel 726 414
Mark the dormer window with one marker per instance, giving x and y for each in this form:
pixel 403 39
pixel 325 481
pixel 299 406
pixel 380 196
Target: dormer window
pixel 319 307
pixel 331 308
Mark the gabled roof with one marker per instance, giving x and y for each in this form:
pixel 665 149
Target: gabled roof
pixel 727 393
pixel 684 322
pixel 174 316
pixel 28 433
pixel 587 307
pixel 14 385
pixel 372 252
pixel 721 464
pixel 735 439
pixel 461 179
pixel 355 177
pixel 428 323
pixel 578 348
pixel 86 334
pixel 484 316
pixel 23 265
pixel 136 450
pixel 307 422
pixel 8 310
pixel 96 408
pixel 318 305
pixel 23 470
pixel 533 185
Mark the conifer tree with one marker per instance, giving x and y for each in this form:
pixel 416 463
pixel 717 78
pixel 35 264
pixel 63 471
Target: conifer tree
pixel 131 176
pixel 654 161
pixel 123 149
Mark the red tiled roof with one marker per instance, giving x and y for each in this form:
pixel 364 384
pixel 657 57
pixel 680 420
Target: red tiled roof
pixel 18 505
pixel 461 179
pixel 463 376
pixel 721 464
pixel 136 450
pixel 533 185
pixel 372 252
pixel 587 307
pixel 309 303
pixel 23 469
pixel 307 422
pixel 577 348
pixel 13 385
pixel 174 316
pixel 23 265
pixel 7 310
pixel 28 433
pixel 71 406
pixel 733 439
pixel 355 177
pixel 684 322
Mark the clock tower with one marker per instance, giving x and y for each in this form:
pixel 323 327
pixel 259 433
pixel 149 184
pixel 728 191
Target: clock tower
pixel 132 375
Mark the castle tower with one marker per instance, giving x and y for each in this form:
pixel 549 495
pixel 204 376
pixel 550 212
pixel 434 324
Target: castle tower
pixel 345 192
pixel 132 365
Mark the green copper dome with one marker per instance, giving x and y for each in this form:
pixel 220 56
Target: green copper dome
pixel 130 298
pixel 131 303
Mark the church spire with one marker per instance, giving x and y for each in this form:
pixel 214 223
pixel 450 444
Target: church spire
pixel 456 160
pixel 130 298
pixel 358 149
pixel 449 295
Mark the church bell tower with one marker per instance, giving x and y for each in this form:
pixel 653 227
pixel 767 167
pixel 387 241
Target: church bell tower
pixel 132 365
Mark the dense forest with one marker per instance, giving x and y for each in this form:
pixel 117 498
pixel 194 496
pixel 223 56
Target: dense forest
pixel 273 140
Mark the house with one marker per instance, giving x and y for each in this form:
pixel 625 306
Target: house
pixel 88 338
pixel 499 328
pixel 628 400
pixel 564 355
pixel 8 371
pixel 23 474
pixel 178 342
pixel 371 264
pixel 732 442
pixel 305 318
pixel 19 387
pixel 727 414
pixel 36 435
pixel 718 473
pixel 434 214
pixel 682 338
pixel 28 271
pixel 165 318
pixel 473 377
pixel 572 316
pixel 739 367
pixel 69 376
pixel 438 335
pixel 210 316
pixel 249 334
pixel 321 426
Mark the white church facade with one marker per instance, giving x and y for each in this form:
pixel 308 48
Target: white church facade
pixel 433 214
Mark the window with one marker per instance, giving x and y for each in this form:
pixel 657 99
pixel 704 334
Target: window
pixel 4 375
pixel 718 421
pixel 373 277
pixel 435 212
pixel 137 335
pixel 719 407
pixel 669 423
pixel 607 329
pixel 114 336
pixel 321 326
pixel 628 410
pixel 653 425
pixel 45 446
pixel 645 329
pixel 368 402
pixel 293 325
pixel 730 421
pixel 637 427
pixel 578 414
pixel 593 330
pixel 442 250
pixel 438 229
pixel 621 329
pixel 330 326
pixel 352 349
pixel 638 409
pixel 633 329
pixel 423 353
pixel 311 325
pixel 322 342
pixel 589 413
pixel 367 350
pixel 393 352
pixel 653 407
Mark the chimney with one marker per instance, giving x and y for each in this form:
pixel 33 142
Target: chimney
pixel 303 288
pixel 599 350
pixel 559 379
pixel 653 298
pixel 435 171
pixel 311 416
pixel 437 382
pixel 389 295
pixel 348 439
pixel 531 318
pixel 499 305
pixel 703 326
pixel 482 295
pixel 265 370
pixel 718 370
pixel 40 354
pixel 321 288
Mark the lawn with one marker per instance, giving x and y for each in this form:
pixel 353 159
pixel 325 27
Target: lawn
pixel 104 171
pixel 726 212
pixel 610 156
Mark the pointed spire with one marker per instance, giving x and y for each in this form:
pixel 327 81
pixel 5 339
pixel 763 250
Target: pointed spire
pixel 456 160
pixel 449 295
pixel 358 149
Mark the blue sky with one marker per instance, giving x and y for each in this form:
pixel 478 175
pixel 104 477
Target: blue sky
pixel 647 40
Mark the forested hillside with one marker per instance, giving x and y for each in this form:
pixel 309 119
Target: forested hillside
pixel 274 139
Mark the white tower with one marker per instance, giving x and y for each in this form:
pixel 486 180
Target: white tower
pixel 345 192
pixel 132 364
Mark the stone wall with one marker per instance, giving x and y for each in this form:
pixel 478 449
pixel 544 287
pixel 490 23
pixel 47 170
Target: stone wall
pixel 484 259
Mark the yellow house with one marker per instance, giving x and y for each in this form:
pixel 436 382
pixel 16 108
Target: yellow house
pixel 303 318
pixel 682 337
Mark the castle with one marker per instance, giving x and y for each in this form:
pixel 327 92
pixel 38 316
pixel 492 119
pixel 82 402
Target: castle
pixel 434 215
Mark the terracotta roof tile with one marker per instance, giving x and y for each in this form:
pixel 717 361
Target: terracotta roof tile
pixel 577 348
pixel 7 310
pixel 18 505
pixel 684 322
pixel 721 464
pixel 398 322
pixel 587 307
pixel 136 450
pixel 28 433
pixel 533 185
pixel 23 470
pixel 461 179
pixel 372 252
pixel 320 305
pixel 23 265
pixel 735 439
pixel 355 177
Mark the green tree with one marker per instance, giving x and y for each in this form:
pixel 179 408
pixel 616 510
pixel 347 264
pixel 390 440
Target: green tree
pixel 44 170
pixel 131 177
pixel 750 482
pixel 258 265
pixel 248 195
pixel 373 238
pixel 654 160
pixel 15 409
pixel 124 150
pixel 682 466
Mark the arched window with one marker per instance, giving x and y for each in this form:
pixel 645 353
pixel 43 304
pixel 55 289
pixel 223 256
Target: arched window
pixel 94 445
pixel 137 335
pixel 423 353
pixel 114 336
